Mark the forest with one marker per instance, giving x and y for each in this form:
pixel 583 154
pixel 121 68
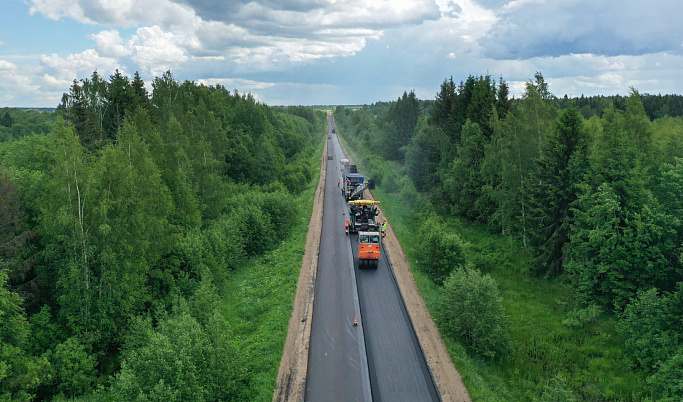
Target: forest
pixel 140 229
pixel 551 226
pixel 151 241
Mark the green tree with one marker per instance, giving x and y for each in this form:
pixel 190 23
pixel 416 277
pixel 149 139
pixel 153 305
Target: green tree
pixel 471 311
pixel 181 360
pixel 66 218
pixel 481 105
pixel 441 250
pixel 651 325
pixel 425 154
pixel 614 252
pixel 133 231
pixel 76 109
pixel 73 368
pixel 516 143
pixel 552 190
pixel 503 104
pixel 443 104
pixel 404 114
pixel 119 100
pixel 622 240
pixel 6 120
pixel 20 373
pixel 462 181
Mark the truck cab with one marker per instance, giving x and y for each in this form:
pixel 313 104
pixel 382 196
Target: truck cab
pixel 368 249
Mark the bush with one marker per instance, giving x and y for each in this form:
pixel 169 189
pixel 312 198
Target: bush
pixel 651 327
pixel 180 360
pixel 281 209
pixel 471 311
pixel 668 380
pixel 440 249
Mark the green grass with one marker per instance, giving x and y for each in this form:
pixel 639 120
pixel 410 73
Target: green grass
pixel 590 359
pixel 259 299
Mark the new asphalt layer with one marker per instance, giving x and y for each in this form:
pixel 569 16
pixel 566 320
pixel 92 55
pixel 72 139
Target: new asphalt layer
pixel 379 359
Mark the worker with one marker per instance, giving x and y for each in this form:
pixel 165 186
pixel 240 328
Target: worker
pixel 347 226
pixel 384 229
pixel 338 182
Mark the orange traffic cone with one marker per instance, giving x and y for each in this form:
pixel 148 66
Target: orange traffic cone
pixel 355 321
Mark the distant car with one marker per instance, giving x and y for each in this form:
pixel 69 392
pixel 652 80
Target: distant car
pixel 328 137
pixel 329 157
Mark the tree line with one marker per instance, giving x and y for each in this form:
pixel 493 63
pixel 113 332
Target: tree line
pixel 593 197
pixel 122 223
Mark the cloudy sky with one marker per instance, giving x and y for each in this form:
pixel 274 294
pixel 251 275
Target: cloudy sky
pixel 308 52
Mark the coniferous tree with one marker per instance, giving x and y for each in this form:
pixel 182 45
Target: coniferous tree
pixel 119 100
pixel 463 181
pixel 552 190
pixel 6 120
pixel 503 104
pixel 621 239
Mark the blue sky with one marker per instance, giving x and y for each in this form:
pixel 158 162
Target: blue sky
pixel 307 52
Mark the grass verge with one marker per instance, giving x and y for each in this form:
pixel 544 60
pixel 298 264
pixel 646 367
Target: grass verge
pixel 258 301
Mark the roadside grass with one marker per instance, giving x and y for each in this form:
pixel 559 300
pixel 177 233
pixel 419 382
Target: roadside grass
pixel 259 299
pixel 586 358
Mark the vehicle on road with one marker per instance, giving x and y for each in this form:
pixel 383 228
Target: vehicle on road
pixel 368 249
pixel 363 216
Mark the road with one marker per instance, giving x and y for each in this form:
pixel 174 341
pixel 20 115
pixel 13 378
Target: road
pixel 380 359
pixel 337 363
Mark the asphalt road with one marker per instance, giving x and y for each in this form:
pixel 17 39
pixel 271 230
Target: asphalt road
pixel 337 363
pixel 397 367
pixel 380 359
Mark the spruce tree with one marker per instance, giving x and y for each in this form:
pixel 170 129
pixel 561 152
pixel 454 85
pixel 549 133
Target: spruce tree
pixel 552 190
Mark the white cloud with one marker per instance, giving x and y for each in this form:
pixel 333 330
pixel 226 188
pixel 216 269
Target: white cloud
pixel 110 43
pixel 6 65
pixel 79 64
pixel 156 51
pixel 57 9
pixel 246 32
pixel 372 49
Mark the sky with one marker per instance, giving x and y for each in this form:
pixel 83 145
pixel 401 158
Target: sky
pixel 341 52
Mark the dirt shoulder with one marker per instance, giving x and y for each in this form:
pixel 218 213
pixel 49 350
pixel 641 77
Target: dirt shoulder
pixel 291 378
pixel 446 377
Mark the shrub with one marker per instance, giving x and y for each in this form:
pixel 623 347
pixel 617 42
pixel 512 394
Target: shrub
pixel 668 380
pixel 471 311
pixel 180 360
pixel 440 249
pixel 651 327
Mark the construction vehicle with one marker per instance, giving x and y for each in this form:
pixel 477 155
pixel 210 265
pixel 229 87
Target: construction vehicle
pixel 368 249
pixel 363 216
pixel 354 185
pixel 363 220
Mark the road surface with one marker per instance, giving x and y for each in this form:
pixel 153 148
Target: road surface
pixel 379 359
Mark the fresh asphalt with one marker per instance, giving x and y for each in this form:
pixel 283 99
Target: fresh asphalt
pixel 379 359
